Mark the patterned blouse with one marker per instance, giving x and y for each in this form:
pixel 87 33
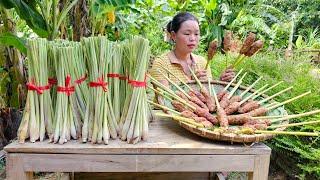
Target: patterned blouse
pixel 169 61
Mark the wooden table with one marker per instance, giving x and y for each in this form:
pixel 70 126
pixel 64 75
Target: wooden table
pixel 169 148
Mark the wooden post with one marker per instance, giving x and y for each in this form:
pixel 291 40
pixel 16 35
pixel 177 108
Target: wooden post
pixel 14 168
pixel 261 168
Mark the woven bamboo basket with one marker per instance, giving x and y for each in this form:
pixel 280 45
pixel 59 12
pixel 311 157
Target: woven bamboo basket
pixel 226 136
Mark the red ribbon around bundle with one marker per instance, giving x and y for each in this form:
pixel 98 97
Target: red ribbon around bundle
pixel 52 81
pixel 123 77
pixel 135 83
pixel 100 83
pixel 39 89
pixel 67 89
pixel 83 78
pixel 113 75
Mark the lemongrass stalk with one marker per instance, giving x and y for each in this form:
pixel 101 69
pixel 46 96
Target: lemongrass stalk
pixel 294 124
pixel 235 77
pixel 288 101
pixel 209 86
pixel 157 83
pixel 276 94
pixel 177 86
pixel 296 116
pixel 164 107
pixel 160 93
pixel 42 81
pixel 251 95
pixel 132 119
pixel 268 117
pixel 100 118
pixel 273 103
pixel 239 61
pixel 105 131
pixel 180 119
pixel 288 133
pixel 129 122
pixel 145 127
pixel 180 100
pixel 237 85
pixel 164 67
pixel 196 78
pixel 240 56
pixel 32 121
pixel 114 82
pixel 113 126
pixel 250 87
pixel 136 132
pixel 135 120
pixel 23 128
pixel 266 90
pixel 69 128
pixel 216 98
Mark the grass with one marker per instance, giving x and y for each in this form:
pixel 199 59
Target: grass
pixel 297 156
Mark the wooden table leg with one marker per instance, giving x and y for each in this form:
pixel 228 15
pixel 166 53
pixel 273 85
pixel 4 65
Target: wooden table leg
pixel 14 168
pixel 261 168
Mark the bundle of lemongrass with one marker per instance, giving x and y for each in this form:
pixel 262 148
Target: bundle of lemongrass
pixel 67 121
pixel 114 97
pixel 123 86
pixel 135 117
pixel 114 80
pixel 102 124
pixel 37 115
pixel 78 69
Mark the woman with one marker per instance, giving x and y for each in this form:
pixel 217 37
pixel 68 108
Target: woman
pixel 185 33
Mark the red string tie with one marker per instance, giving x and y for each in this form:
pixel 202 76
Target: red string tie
pixel 113 75
pixel 100 83
pixel 67 89
pixel 82 79
pixel 52 81
pixel 123 77
pixel 135 83
pixel 39 89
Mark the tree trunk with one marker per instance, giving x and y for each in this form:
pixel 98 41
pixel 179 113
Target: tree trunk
pixel 80 20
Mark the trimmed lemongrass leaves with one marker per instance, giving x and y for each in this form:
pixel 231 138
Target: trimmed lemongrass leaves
pixel 135 117
pixel 91 90
pixel 37 116
pixel 102 123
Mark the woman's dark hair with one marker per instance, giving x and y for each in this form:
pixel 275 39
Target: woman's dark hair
pixel 178 19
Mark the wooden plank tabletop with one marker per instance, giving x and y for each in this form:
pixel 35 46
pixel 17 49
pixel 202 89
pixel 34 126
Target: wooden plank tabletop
pixel 165 137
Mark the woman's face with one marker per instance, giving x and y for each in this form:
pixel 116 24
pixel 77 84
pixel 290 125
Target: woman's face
pixel 187 37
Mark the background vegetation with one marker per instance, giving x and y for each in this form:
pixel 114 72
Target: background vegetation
pixel 288 28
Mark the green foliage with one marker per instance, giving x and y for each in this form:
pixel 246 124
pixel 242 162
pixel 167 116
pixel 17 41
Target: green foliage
pixel 43 17
pixel 27 10
pixel 10 39
pixel 311 39
pixel 298 156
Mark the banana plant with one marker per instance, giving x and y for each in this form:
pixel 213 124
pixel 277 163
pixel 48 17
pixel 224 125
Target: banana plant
pixel 42 16
pixel 103 12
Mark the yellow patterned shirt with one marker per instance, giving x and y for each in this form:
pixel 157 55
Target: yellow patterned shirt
pixel 169 61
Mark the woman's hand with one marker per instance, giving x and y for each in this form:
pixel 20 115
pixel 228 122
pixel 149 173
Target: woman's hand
pixel 202 75
pixel 228 74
